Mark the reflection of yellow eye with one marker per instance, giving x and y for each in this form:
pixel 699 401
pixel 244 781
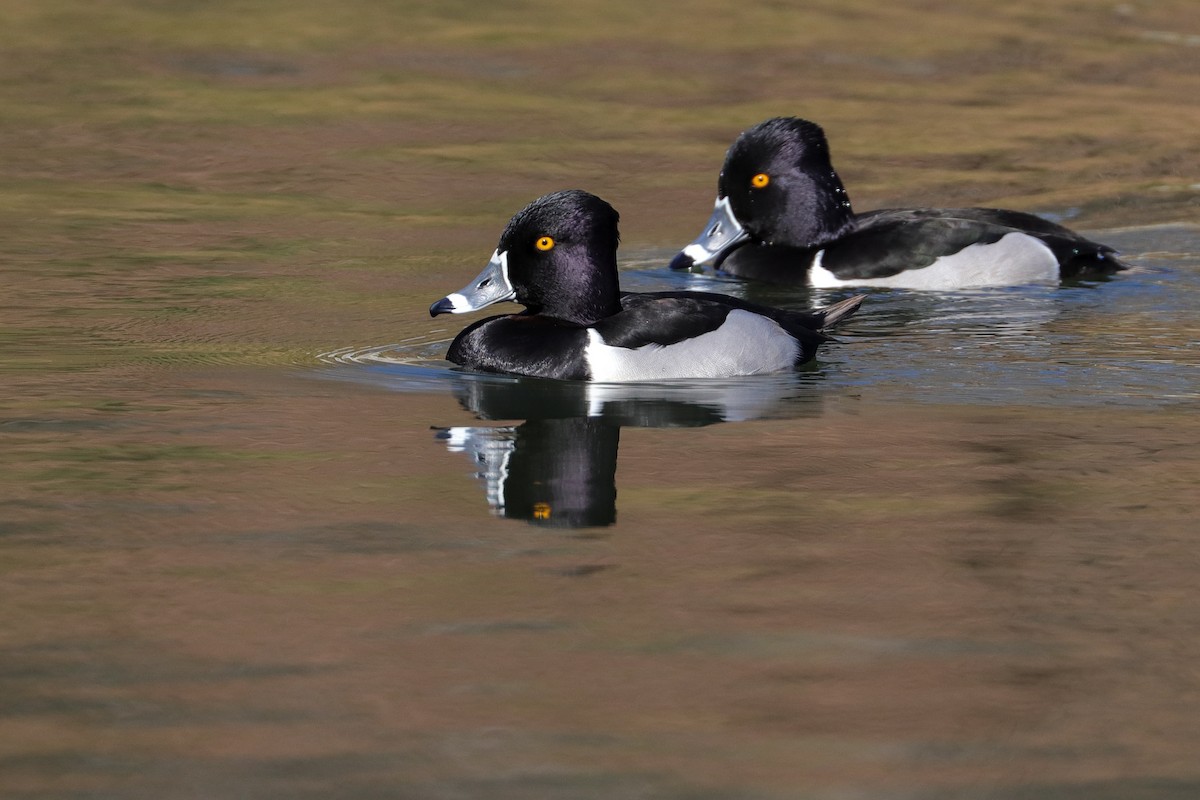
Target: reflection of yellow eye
pixel 760 180
pixel 544 243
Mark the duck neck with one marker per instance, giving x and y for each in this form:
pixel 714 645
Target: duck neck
pixel 584 293
pixel 823 212
pixel 839 214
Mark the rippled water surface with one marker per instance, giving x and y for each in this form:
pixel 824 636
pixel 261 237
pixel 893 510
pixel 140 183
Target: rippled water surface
pixel 258 540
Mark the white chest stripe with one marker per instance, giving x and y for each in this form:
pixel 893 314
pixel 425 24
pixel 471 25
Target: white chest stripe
pixel 1016 258
pixel 746 344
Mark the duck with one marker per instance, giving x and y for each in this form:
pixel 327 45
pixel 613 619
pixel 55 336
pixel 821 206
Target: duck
pixel 557 257
pixel 783 216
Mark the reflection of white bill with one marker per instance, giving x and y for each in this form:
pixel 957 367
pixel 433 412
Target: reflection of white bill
pixel 490 449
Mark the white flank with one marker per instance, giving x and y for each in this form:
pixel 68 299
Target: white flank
pixel 746 344
pixel 1016 258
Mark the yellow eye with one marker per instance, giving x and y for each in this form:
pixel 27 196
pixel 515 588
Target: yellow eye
pixel 544 243
pixel 760 180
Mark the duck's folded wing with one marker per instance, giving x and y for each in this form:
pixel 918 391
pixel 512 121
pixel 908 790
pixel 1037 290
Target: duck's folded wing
pixel 661 318
pixel 1001 217
pixel 887 246
pixel 817 319
pixel 746 339
pixel 1077 255
pixel 889 241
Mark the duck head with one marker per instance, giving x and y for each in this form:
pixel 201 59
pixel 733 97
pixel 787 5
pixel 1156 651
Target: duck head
pixel 557 257
pixel 777 187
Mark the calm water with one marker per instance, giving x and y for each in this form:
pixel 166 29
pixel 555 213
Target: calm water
pixel 258 540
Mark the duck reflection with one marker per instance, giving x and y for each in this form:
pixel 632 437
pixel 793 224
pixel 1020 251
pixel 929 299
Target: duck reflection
pixel 554 472
pixel 558 467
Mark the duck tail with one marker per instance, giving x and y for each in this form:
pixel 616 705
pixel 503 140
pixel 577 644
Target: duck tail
pixel 831 315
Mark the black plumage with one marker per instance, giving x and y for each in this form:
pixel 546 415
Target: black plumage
pixel 793 213
pixel 557 257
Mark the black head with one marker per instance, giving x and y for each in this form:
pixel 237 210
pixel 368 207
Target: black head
pixel 777 187
pixel 782 186
pixel 557 256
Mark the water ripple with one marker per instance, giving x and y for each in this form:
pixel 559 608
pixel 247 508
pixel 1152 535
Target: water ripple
pixel 409 351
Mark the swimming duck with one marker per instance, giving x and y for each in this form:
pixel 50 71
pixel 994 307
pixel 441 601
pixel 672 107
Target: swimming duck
pixel 558 258
pixel 782 215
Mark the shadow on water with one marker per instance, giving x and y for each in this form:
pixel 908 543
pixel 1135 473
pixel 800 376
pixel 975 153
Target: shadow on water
pixel 557 467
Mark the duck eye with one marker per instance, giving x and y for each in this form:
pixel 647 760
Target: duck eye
pixel 544 243
pixel 760 180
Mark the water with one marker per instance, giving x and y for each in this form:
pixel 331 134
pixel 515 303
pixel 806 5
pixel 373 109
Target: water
pixel 257 539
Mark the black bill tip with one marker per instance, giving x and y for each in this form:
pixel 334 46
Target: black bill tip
pixel 682 261
pixel 443 306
